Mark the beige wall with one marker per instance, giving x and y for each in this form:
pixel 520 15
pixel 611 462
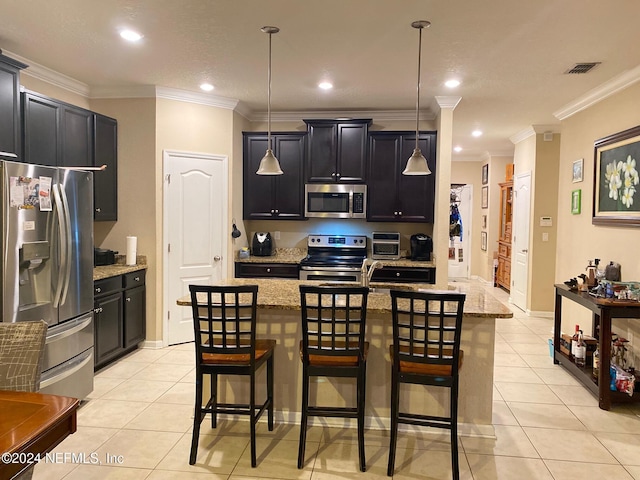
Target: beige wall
pixel 137 208
pixel 579 240
pixel 543 204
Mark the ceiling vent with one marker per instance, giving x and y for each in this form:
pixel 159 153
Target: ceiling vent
pixel 582 67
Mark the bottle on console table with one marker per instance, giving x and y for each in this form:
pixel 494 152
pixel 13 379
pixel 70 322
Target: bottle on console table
pixel 581 351
pixel 574 341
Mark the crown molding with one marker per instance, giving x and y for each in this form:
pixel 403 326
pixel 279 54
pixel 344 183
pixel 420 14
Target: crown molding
pixel 47 75
pixel 448 102
pixel 616 84
pixel 546 128
pixel 387 115
pixel 195 97
pixel 522 135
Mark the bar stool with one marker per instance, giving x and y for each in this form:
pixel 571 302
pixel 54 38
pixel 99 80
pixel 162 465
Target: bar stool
pixel 426 351
pixel 333 328
pixel 224 321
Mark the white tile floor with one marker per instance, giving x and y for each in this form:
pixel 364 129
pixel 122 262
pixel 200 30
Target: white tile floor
pixel 547 427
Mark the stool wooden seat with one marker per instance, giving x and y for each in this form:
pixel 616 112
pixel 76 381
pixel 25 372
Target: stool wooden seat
pixel 224 320
pixel 333 345
pixel 426 351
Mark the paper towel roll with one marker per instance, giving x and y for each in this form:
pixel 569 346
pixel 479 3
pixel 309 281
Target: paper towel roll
pixel 132 250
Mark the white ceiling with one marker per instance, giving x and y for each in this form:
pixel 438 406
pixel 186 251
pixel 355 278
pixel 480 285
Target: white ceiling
pixel 510 55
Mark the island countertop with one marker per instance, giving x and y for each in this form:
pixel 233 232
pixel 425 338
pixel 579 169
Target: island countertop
pixel 284 294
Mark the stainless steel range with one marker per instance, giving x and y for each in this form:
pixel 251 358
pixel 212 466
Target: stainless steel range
pixel 336 258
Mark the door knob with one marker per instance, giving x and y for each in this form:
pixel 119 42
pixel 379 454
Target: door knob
pixel 525 250
pixel 217 258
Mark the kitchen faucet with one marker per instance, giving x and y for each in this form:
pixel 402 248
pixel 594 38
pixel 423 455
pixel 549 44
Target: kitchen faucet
pixel 365 276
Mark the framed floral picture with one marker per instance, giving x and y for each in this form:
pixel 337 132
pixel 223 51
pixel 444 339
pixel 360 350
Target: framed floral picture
pixel 576 201
pixel 616 200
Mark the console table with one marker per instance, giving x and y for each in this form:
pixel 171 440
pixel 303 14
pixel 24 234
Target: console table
pixel 603 310
pixel 30 424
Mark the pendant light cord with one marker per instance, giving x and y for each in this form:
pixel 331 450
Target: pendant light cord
pixel 269 98
pixel 418 99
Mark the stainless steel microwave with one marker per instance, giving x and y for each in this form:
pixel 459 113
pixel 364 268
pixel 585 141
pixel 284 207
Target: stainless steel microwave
pixel 335 200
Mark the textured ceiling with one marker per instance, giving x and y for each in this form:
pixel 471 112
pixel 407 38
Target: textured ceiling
pixel 510 56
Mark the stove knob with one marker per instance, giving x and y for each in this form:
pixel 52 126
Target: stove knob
pixel 361 241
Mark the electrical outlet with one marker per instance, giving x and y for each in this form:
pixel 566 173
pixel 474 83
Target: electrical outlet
pixel 276 235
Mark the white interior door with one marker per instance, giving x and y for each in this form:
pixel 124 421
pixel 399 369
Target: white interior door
pixel 460 256
pixel 520 246
pixel 195 220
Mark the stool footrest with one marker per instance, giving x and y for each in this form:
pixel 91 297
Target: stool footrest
pixel 425 420
pixel 333 412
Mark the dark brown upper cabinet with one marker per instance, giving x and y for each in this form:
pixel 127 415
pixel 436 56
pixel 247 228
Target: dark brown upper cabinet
pixel 337 151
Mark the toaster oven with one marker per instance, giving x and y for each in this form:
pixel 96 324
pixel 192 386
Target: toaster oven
pixel 385 246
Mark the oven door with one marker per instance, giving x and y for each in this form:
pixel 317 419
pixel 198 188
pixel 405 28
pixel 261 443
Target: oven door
pixel 329 274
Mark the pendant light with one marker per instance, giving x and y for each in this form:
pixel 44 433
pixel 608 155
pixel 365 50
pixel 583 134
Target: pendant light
pixel 269 164
pixel 417 164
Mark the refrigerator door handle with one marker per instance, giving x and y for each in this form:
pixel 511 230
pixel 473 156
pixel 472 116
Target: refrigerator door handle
pixel 67 245
pixel 63 245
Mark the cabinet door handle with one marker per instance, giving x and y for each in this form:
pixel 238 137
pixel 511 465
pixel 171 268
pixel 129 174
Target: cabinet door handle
pixel 338 175
pixel 137 279
pixel 333 174
pixel 268 270
pixel 98 289
pixel 128 299
pixel 400 213
pixel 98 210
pixel 397 274
pixel 277 212
pixel 273 211
pixel 395 213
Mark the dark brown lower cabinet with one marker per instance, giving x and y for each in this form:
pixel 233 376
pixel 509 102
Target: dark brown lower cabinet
pixel 405 274
pixel 267 270
pixel 120 316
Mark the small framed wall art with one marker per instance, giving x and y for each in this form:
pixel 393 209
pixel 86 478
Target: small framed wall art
pixel 483 241
pixel 485 174
pixel 485 197
pixel 576 197
pixel 577 170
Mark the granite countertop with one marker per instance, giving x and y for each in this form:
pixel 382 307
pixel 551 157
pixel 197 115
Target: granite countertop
pixel 294 255
pixel 284 294
pixel 119 268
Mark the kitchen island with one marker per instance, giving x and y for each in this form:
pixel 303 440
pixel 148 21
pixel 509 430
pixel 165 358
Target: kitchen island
pixel 279 318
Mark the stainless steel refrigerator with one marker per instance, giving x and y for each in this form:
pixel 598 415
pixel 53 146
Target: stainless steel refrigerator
pixel 47 266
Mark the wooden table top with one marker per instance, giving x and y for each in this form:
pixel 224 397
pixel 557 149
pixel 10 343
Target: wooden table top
pixel 32 423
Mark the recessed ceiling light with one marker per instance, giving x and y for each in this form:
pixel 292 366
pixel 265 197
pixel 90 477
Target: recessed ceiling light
pixel 477 133
pixel 325 85
pixel 452 83
pixel 457 148
pixel 207 87
pixel 130 35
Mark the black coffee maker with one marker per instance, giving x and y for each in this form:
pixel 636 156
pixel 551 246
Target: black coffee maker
pixel 262 244
pixel 421 247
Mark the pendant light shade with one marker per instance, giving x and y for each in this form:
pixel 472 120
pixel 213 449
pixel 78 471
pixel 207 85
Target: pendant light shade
pixel 417 164
pixel 269 164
